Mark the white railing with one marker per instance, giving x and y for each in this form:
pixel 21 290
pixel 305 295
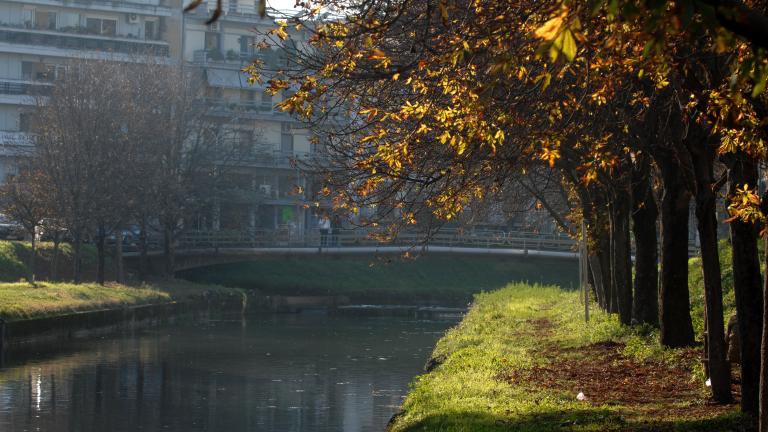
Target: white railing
pixel 362 238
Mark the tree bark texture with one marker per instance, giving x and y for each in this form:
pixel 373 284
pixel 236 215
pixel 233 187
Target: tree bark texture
pixel 702 156
pixel 674 302
pixel 747 286
pixel 622 256
pixel 645 214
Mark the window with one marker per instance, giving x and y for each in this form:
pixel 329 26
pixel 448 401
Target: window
pixel 149 30
pixel 41 71
pixel 286 140
pixel 45 20
pixel 247 45
pixel 266 101
pixel 100 26
pixel 25 122
pixel 212 41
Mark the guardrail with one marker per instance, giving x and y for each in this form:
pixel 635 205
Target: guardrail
pixel 360 238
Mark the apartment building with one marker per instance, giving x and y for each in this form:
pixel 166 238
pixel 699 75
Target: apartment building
pixel 38 37
pixel 266 188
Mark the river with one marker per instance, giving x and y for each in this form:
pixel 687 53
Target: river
pixel 286 372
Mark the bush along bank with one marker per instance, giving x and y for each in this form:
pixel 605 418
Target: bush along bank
pixel 524 359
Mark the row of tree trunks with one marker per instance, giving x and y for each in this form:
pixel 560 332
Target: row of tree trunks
pixel 702 155
pixel 676 327
pixel 747 286
pixel 621 252
pixel 645 213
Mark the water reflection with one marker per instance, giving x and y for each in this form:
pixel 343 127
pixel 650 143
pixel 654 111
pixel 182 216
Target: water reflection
pixel 283 373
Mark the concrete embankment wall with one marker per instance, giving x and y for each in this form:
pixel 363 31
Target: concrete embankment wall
pixel 27 333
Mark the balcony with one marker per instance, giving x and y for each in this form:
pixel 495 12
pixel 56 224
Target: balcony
pixel 78 38
pixel 231 58
pixel 15 143
pixel 159 9
pixel 21 87
pixel 244 13
pixel 271 159
pixel 247 110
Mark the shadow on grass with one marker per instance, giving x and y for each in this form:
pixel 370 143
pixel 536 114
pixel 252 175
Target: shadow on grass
pixel 582 420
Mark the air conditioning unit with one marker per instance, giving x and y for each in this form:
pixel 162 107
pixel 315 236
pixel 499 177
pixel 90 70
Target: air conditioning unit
pixel 265 189
pixel 214 27
pixel 132 18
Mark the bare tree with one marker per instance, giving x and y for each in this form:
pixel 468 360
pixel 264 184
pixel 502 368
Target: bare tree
pixel 25 199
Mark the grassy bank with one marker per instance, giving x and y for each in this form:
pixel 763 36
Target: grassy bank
pixel 20 300
pixel 521 356
pixel 434 277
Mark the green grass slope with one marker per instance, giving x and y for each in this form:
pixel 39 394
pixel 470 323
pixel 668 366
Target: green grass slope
pixel 439 278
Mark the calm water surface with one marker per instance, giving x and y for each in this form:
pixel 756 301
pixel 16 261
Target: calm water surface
pixel 305 372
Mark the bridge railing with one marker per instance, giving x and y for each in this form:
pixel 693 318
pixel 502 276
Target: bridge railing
pixel 361 238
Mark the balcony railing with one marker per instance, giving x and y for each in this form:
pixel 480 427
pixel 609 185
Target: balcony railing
pixel 16 87
pixel 160 8
pixel 235 58
pixel 81 41
pixel 275 159
pixel 247 109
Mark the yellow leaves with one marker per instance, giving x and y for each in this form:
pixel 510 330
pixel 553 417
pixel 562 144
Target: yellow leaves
pixel 745 206
pixel 370 112
pixel 550 155
pixel 275 85
pixel 559 35
pixel 550 29
pixel 564 44
pixel 280 30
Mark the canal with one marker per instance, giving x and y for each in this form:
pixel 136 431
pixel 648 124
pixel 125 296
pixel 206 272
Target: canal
pixel 284 372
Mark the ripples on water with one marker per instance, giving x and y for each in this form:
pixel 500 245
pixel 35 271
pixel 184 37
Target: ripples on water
pixel 305 372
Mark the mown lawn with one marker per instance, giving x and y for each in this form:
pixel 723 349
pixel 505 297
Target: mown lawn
pixel 522 355
pixel 439 278
pixel 20 300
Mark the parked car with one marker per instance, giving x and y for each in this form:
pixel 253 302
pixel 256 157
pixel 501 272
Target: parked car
pixel 10 229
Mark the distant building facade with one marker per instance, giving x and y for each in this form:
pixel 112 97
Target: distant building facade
pixel 38 38
pixel 265 190
pixel 268 190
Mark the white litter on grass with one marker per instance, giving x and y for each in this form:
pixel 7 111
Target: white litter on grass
pixel 581 397
pixel 708 382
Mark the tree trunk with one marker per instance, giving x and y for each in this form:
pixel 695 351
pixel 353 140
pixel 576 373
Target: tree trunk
pixel 702 156
pixel 119 276
pixel 747 287
pixel 101 241
pixel 31 264
pixel 169 251
pixel 143 256
pixel 674 301
pixel 598 251
pixel 55 258
pixel 645 213
pixel 622 258
pixel 77 271
pixel 763 416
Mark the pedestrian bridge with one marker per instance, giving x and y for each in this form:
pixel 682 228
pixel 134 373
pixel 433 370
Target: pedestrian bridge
pixel 204 248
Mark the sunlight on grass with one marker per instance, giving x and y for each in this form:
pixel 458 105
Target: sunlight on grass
pixel 481 382
pixel 21 300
